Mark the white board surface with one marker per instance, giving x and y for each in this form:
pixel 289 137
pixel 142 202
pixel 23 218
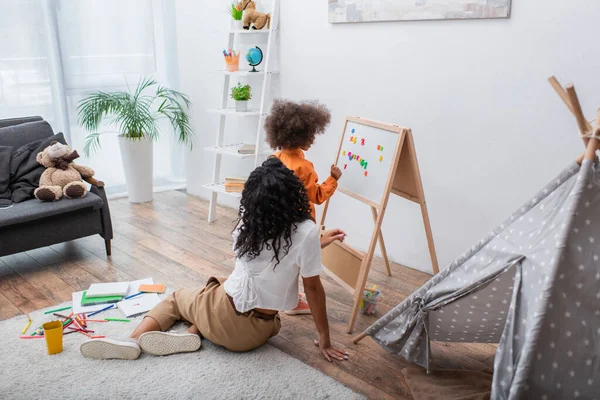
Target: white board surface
pixel 378 161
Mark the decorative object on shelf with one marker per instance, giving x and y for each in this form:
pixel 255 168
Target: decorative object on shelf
pixel 251 16
pixel 137 115
pixel 232 60
pixel 236 14
pixel 254 56
pixel 351 11
pixel 241 94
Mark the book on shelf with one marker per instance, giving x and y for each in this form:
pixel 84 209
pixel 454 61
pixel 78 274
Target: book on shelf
pixel 247 149
pixel 234 188
pixel 233 179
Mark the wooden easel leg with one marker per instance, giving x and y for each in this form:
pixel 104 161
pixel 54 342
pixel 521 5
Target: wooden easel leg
pixel 432 254
pixel 359 338
pixel 382 245
pixel 364 272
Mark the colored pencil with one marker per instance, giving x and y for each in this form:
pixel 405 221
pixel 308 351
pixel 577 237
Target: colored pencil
pixel 95 320
pixel 31 337
pixel 99 311
pixel 118 319
pixel 77 324
pixel 81 330
pixel 79 320
pixel 133 295
pixel 86 334
pixel 58 309
pixel 98 337
pixel 26 327
pixel 61 316
pixel 69 332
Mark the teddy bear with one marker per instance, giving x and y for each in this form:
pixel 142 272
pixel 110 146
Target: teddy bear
pixel 251 16
pixel 62 176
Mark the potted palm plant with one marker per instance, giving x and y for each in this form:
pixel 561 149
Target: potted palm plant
pixel 236 15
pixel 241 94
pixel 137 115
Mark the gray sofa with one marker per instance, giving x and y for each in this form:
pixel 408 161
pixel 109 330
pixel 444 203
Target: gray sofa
pixel 32 223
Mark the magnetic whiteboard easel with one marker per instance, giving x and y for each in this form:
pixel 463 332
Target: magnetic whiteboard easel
pixel 377 159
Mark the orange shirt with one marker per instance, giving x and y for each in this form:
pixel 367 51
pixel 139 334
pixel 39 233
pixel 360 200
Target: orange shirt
pixel 304 169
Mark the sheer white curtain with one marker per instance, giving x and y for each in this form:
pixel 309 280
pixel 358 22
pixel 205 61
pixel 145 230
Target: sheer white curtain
pixel 53 52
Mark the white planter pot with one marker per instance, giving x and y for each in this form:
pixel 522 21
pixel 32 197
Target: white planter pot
pixel 137 158
pixel 241 106
pixel 237 25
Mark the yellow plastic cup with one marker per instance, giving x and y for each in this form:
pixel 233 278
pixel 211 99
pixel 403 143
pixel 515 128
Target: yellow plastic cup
pixel 53 332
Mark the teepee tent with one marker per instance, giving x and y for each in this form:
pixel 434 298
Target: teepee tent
pixel 532 285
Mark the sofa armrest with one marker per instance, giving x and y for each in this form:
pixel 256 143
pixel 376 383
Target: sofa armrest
pixel 107 231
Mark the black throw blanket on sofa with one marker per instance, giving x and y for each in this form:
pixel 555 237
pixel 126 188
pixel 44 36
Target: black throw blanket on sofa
pixel 20 172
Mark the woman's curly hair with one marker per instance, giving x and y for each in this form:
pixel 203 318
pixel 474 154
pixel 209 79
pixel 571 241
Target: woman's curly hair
pixel 274 202
pixel 294 125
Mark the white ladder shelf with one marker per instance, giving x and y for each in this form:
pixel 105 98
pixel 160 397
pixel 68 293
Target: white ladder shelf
pixel 221 149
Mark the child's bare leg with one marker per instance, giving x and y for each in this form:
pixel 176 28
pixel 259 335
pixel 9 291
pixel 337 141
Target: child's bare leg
pixel 194 330
pixel 148 324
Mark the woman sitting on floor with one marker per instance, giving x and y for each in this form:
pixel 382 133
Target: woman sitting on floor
pixel 275 241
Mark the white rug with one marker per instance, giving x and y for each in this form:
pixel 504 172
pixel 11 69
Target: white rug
pixel 28 372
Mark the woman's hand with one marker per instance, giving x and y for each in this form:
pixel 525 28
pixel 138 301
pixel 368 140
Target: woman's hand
pixel 331 236
pixel 330 352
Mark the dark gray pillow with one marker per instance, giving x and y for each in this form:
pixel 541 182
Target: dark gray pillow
pixel 5 193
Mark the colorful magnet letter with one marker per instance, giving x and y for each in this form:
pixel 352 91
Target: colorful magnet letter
pixel 344 152
pixel 353 130
pixel 366 173
pixel 362 141
pixel 345 165
pixel 378 147
pixel 380 158
pixel 381 149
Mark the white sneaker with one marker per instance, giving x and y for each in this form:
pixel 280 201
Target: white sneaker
pixel 165 343
pixel 106 349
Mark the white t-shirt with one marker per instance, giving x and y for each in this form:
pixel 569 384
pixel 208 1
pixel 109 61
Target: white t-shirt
pixel 255 284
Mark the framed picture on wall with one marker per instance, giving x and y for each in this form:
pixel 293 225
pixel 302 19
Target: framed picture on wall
pixel 351 11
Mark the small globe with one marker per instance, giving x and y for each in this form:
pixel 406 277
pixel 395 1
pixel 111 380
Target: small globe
pixel 254 56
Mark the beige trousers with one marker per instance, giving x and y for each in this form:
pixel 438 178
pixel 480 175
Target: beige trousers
pixel 210 310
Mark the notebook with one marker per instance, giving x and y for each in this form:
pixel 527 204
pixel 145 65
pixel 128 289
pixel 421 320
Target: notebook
pixel 158 288
pixel 134 286
pixel 87 301
pixel 108 289
pixel 138 305
pixel 79 309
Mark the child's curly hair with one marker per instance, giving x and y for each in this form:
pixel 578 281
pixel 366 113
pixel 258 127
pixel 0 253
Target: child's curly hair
pixel 293 125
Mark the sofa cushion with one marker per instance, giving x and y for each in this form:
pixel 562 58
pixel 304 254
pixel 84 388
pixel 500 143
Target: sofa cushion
pixel 19 135
pixel 35 209
pixel 17 121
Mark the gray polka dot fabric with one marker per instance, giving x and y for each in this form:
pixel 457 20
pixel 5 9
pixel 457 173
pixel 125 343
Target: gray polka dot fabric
pixel 532 285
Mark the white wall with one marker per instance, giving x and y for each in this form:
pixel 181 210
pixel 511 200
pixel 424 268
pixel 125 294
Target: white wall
pixel 489 131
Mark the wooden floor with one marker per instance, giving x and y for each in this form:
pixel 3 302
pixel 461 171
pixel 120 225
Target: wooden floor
pixel 170 240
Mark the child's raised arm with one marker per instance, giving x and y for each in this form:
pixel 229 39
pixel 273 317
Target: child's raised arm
pixel 319 194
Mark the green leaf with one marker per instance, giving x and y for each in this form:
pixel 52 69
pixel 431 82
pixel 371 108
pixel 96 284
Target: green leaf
pixel 135 114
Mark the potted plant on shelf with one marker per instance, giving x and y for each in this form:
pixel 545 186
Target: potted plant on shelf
pixel 241 94
pixel 137 115
pixel 236 14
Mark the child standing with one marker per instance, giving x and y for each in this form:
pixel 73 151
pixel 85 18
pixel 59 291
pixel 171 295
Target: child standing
pixel 291 128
